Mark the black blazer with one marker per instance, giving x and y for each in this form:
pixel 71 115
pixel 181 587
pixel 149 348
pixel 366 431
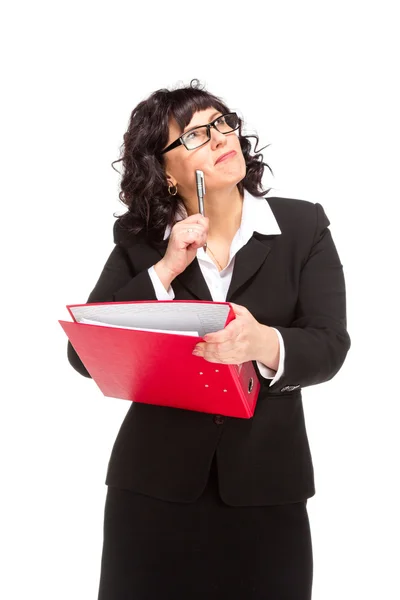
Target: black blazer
pixel 294 282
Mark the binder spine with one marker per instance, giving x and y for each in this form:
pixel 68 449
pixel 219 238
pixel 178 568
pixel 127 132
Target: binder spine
pixel 246 385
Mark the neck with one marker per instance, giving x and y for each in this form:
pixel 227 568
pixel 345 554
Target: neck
pixel 224 210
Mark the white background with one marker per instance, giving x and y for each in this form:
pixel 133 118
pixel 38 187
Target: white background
pixel 317 81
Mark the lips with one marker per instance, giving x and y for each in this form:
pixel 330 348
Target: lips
pixel 231 153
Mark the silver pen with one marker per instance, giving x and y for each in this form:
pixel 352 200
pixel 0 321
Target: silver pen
pixel 201 190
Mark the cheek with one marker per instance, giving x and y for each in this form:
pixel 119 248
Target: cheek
pixel 241 160
pixel 189 167
pixel 200 161
pixel 181 169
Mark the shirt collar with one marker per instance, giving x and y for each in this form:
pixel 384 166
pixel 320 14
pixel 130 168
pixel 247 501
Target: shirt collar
pixel 257 216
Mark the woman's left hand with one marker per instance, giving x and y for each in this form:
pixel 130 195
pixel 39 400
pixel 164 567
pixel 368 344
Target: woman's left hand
pixel 242 340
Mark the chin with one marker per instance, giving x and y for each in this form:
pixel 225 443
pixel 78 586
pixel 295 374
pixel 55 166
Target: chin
pixel 226 182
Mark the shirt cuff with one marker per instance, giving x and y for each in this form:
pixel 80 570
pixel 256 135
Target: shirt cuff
pixel 268 373
pixel 160 291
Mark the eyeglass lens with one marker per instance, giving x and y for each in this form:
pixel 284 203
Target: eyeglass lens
pixel 199 136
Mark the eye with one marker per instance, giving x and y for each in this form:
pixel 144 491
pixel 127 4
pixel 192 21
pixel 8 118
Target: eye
pixel 220 120
pixel 191 135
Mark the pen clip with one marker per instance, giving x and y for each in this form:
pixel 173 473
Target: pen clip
pixel 201 186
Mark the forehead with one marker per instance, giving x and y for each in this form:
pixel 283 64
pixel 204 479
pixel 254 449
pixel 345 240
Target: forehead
pixel 200 117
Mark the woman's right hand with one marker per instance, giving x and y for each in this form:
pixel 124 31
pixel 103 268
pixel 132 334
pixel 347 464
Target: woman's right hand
pixel 183 244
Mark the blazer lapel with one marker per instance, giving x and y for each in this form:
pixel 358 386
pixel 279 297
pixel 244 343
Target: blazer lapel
pixel 192 279
pixel 249 260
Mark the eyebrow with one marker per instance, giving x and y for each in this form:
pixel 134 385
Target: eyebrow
pixel 194 126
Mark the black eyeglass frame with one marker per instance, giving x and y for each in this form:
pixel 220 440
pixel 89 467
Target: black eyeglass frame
pixel 180 141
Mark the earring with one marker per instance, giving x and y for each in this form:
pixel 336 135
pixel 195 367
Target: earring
pixel 172 193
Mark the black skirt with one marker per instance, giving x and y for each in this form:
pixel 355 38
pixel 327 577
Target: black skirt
pixel 159 550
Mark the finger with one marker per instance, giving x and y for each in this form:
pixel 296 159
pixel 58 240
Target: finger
pixel 214 348
pixel 206 351
pixel 222 360
pixel 218 337
pixel 229 333
pixel 238 308
pixel 194 240
pixel 219 350
pixel 197 218
pixel 196 236
pixel 192 227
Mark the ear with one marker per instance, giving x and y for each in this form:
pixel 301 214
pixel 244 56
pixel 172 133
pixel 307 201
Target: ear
pixel 170 179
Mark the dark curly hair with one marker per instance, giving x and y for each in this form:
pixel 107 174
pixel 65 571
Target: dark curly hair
pixel 144 187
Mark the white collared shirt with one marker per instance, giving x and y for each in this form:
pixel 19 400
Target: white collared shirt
pixel 256 216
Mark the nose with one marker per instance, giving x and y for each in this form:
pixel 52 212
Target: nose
pixel 217 138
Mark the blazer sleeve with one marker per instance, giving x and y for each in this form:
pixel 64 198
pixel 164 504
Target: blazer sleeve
pixel 317 341
pixel 117 282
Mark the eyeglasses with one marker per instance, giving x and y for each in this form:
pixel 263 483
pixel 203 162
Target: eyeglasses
pixel 198 136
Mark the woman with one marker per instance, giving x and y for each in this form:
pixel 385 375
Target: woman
pixel 202 505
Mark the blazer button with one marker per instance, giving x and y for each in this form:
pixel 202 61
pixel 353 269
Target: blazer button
pixel 219 419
